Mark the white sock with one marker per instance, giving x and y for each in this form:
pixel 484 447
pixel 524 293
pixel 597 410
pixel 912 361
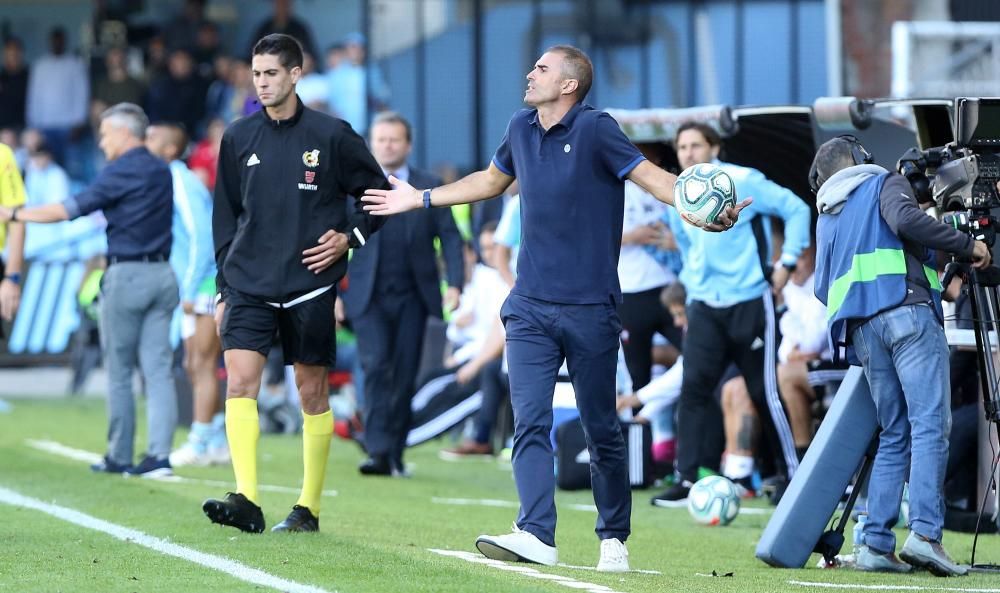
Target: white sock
pixel 737 466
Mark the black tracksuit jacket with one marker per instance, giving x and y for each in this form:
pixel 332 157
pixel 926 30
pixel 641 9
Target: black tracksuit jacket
pixel 280 186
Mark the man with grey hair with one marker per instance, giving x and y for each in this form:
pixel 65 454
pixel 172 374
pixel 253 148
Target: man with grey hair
pixel 875 273
pixel 139 290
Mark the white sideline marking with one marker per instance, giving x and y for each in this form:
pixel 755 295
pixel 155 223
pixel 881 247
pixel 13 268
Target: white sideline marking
pixel 525 570
pixel 889 587
pixel 232 568
pixel 594 569
pixel 91 457
pixel 63 451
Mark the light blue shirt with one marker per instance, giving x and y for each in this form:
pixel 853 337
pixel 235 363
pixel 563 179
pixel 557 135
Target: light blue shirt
pixel 723 269
pixel 192 255
pixel 508 231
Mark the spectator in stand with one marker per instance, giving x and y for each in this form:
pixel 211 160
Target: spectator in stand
pixel 180 95
pixel 244 99
pixel 117 85
pixel 219 96
pixel 205 156
pixel 85 158
pixel 335 56
pixel 45 181
pixel 313 87
pixel 352 81
pixel 13 84
pixel 30 140
pixel 156 59
pixel 184 30
pixel 283 21
pixel 58 94
pixel 207 47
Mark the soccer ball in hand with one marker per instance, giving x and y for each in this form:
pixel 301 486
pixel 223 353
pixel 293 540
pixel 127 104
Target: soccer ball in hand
pixel 703 192
pixel 713 501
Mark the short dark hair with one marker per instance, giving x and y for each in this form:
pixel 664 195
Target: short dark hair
pixel 833 155
pixel 287 48
pixel 673 294
pixel 177 136
pixel 711 136
pixel 577 66
pixel 392 117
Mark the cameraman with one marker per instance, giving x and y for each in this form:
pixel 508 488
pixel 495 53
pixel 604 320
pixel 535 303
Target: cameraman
pixel 884 305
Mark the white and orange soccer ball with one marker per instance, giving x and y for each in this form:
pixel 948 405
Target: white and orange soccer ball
pixel 714 501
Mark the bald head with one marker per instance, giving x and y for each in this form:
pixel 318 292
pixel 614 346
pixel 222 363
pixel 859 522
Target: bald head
pixel 167 141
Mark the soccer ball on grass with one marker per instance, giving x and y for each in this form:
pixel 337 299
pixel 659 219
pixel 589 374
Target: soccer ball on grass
pixel 713 501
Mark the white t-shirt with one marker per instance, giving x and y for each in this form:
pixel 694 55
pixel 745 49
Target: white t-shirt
pixel 638 270
pixel 483 296
pixel 804 323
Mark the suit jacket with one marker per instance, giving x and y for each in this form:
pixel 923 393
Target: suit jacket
pixel 422 226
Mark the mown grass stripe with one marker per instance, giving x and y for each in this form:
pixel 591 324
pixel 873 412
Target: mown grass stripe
pixel 234 569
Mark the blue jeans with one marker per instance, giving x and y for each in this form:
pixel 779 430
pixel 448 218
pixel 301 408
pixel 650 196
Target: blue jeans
pixel 905 357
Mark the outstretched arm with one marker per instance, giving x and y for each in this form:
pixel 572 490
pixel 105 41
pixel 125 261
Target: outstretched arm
pixel 661 185
pixel 477 186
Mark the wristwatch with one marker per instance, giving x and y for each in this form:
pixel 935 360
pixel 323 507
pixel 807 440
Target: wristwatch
pixel 13 277
pixel 13 213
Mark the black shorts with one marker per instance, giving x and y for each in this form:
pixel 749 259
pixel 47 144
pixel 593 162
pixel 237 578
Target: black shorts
pixel 306 329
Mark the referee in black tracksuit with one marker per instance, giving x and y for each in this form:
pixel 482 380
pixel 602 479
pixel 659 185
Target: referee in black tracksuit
pixel 282 229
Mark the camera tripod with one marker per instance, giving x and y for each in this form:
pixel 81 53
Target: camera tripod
pixel 984 296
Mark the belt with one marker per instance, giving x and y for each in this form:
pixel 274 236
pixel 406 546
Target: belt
pixel 145 258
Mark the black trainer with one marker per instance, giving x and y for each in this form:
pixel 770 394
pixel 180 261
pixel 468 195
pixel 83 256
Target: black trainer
pixel 675 496
pixel 235 511
pixel 299 520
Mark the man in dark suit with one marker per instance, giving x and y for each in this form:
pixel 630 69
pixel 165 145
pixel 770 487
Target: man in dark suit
pixel 390 296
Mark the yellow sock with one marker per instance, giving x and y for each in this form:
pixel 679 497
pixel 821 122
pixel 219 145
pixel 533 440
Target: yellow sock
pixel 316 433
pixel 243 431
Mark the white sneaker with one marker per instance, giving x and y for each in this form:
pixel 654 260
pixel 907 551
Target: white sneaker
pixel 518 546
pixel 614 556
pixel 190 454
pixel 218 455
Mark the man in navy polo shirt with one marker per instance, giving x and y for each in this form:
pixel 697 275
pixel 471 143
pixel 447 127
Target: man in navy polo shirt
pixel 138 290
pixel 571 162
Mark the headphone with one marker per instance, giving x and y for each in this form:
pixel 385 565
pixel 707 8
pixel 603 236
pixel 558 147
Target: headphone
pixel 859 155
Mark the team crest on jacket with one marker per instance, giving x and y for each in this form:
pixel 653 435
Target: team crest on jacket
pixel 311 158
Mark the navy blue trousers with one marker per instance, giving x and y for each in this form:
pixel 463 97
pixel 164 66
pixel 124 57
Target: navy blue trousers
pixel 540 335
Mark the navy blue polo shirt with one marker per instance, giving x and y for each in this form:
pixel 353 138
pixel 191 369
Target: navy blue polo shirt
pixel 136 194
pixel 572 203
